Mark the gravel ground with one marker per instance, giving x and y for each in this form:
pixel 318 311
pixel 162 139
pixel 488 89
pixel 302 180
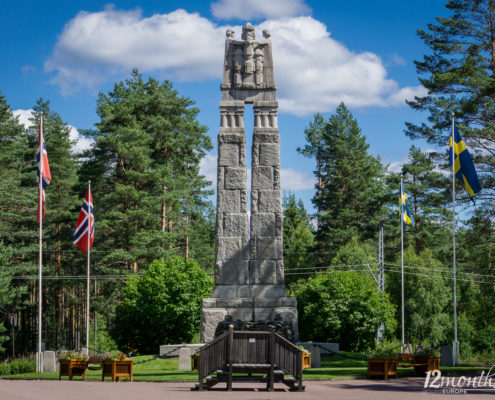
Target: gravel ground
pixel 401 389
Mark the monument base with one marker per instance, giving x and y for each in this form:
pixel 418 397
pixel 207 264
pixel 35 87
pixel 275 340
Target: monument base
pixel 245 309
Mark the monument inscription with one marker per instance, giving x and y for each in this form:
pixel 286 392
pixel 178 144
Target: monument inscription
pixel 249 271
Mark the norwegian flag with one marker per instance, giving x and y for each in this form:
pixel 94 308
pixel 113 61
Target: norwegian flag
pixel 86 220
pixel 43 171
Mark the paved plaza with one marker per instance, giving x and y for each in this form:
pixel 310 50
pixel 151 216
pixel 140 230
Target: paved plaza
pixel 402 389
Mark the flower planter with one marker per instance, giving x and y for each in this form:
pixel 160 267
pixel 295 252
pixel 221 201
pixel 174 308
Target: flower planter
pixel 116 369
pixel 72 368
pixel 425 364
pixel 306 359
pixel 382 367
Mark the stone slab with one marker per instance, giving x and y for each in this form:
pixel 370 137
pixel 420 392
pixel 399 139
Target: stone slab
pixel 256 291
pixel 184 359
pixel 173 350
pixel 326 348
pixel 446 356
pixel 210 317
pixel 49 361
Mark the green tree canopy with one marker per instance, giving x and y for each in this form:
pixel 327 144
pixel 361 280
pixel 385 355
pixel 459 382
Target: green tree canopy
pixel 298 239
pixel 428 297
pixel 148 189
pixel 351 192
pixel 163 306
pixel 459 74
pixel 343 307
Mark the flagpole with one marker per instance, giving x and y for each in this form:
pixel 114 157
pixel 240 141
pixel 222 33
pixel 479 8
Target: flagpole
pixel 39 358
pixel 402 255
pixel 456 343
pixel 89 250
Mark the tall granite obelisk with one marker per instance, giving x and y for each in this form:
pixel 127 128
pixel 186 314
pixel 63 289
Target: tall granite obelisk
pixel 249 270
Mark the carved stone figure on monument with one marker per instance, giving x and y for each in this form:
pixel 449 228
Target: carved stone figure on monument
pixel 238 61
pixel 249 67
pixel 248 32
pixel 259 58
pixel 230 33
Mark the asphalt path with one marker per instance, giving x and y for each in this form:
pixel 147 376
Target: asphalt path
pixel 359 389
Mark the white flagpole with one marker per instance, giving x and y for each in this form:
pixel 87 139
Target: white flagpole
pixel 402 257
pixel 39 360
pixel 87 280
pixel 455 346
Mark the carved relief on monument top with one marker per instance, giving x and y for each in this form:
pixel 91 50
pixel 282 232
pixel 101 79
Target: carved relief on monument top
pixel 248 62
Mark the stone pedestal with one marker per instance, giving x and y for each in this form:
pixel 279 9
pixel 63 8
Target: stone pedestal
pixel 184 359
pixel 49 361
pixel 249 270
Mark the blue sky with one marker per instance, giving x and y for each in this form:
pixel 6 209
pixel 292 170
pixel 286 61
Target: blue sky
pixel 325 52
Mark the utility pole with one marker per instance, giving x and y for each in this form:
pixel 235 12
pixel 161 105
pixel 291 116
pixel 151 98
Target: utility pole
pixel 380 276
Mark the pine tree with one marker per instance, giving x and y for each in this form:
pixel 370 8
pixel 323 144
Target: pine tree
pixel 352 185
pixel 314 148
pixel 147 153
pixel 459 74
pixel 298 239
pixel 18 197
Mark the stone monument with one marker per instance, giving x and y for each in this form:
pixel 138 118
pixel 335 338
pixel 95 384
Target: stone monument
pixel 249 270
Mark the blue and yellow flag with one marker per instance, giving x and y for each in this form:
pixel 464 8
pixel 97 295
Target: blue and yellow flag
pixel 405 213
pixel 464 167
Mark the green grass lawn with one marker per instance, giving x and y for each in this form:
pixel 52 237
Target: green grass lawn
pixel 161 370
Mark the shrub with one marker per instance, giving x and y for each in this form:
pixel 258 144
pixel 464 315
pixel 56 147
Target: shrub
pixel 163 306
pixel 344 307
pixel 18 366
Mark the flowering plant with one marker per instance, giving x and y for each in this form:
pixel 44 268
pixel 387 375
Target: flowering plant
pixel 72 355
pixel 113 355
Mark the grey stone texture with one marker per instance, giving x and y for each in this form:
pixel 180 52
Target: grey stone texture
pixel 446 356
pixel 49 361
pixel 249 271
pixel 185 359
pixel 173 350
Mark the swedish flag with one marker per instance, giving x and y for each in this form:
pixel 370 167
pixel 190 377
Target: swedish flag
pixel 464 167
pixel 405 213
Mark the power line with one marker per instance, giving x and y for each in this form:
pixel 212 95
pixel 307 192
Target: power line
pixel 75 277
pixel 440 277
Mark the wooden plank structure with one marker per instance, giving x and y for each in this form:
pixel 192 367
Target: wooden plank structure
pixel 72 368
pixel 382 367
pixel 116 369
pixel 253 356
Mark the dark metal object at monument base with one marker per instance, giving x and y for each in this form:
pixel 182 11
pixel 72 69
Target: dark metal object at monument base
pixel 283 328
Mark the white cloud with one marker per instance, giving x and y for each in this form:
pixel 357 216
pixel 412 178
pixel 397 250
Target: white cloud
pixel 81 142
pixel 95 46
pixel 24 116
pixel 28 68
pixel 313 71
pixel 399 97
pixel 247 9
pixel 294 181
pixel 208 168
